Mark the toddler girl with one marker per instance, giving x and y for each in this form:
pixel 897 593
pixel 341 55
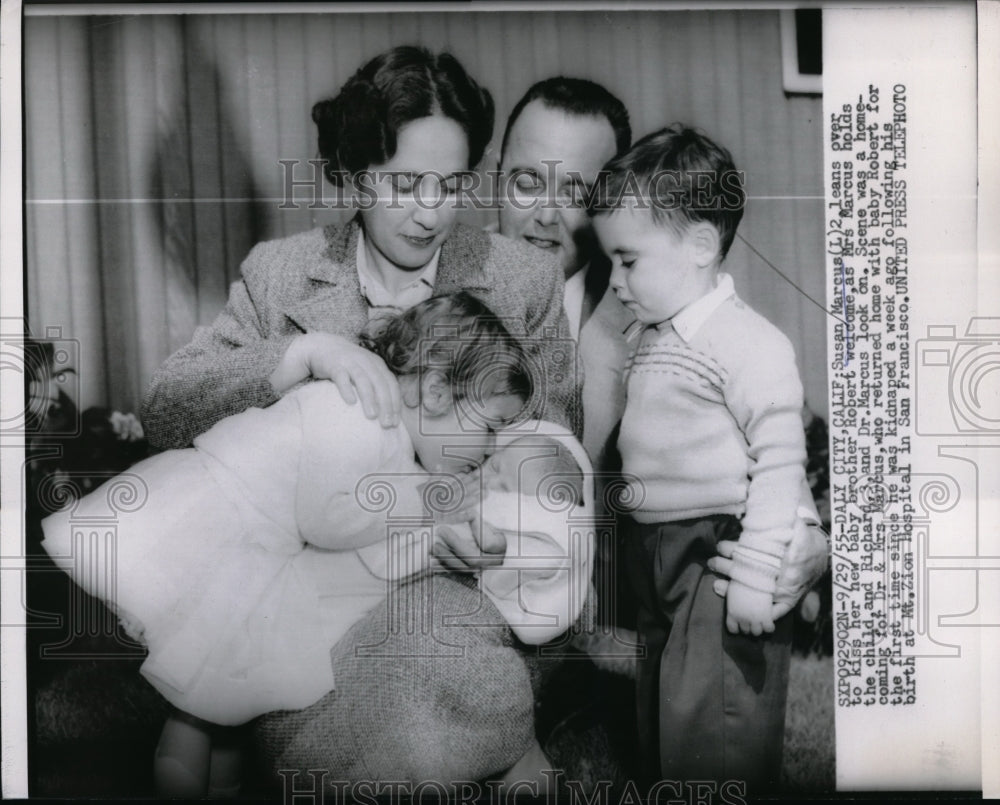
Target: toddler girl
pixel 241 570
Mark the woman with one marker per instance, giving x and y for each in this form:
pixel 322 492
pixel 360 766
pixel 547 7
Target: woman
pixel 448 700
pixel 401 132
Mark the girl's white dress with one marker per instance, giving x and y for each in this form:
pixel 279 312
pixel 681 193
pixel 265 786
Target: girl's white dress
pixel 235 560
pixel 241 561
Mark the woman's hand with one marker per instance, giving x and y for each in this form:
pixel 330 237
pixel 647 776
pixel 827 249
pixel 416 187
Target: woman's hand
pixel 462 542
pixel 358 373
pixel 466 548
pixel 804 564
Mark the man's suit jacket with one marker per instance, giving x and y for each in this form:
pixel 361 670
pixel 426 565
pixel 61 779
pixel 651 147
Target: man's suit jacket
pixel 603 353
pixel 309 283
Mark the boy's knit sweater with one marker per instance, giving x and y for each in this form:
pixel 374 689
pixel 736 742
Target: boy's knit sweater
pixel 712 425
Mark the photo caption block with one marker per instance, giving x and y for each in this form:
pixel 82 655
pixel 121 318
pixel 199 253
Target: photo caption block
pixel 870 404
pixel 899 101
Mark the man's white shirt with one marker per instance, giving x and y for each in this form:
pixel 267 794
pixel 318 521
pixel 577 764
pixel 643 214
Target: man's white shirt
pixel 573 294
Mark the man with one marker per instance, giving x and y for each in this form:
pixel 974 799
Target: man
pixel 557 139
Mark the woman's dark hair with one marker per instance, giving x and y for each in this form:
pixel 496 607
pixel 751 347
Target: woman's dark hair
pixel 359 127
pixel 459 336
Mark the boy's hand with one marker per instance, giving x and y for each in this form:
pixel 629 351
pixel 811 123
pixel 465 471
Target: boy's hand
pixel 748 610
pixel 803 565
pixel 358 373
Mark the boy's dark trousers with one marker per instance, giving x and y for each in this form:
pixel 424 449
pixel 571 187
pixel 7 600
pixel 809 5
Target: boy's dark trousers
pixel 711 705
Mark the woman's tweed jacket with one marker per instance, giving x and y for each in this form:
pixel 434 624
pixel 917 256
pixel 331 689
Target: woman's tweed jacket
pixel 308 283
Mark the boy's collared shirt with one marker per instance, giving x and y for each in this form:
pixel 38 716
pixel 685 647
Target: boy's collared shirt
pixel 712 424
pixel 380 299
pixel 687 322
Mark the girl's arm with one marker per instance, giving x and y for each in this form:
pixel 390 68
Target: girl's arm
pixel 352 473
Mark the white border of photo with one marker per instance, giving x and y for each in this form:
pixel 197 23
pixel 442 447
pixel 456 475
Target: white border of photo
pixel 950 739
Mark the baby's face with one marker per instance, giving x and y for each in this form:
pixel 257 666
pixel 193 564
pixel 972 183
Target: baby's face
pixel 511 470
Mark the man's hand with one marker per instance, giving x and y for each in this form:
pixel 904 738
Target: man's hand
pixel 466 548
pixel 804 564
pixel 358 373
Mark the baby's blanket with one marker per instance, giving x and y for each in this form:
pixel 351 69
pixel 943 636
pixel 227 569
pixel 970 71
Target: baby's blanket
pixel 543 581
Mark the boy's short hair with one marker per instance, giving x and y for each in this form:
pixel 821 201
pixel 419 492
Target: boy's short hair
pixel 682 177
pixel 557 473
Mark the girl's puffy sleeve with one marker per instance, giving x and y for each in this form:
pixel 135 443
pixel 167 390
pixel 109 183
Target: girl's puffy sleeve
pixel 341 448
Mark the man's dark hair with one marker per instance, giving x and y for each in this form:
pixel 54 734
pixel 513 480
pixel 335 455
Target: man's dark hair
pixel 576 96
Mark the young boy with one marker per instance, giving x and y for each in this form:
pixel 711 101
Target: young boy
pixel 712 444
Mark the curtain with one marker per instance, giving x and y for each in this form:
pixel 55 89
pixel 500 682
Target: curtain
pixel 154 146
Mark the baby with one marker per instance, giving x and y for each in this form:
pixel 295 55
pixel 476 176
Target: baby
pixel 537 498
pixel 534 466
